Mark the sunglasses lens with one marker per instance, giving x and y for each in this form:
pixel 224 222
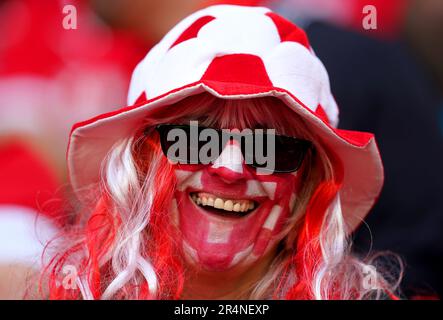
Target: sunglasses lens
pixel 187 144
pixel 289 153
pixel 167 141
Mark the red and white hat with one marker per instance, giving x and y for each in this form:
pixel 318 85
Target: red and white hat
pixel 235 52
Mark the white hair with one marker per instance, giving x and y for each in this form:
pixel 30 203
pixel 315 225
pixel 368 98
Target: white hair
pixel 132 201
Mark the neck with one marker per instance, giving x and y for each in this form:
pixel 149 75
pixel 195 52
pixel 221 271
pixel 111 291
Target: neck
pixel 232 284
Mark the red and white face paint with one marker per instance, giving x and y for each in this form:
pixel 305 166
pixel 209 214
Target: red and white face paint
pixel 255 209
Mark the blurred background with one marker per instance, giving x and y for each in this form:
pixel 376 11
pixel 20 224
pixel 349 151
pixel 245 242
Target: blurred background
pixel 387 80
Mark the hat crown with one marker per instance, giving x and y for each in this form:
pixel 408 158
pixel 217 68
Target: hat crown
pixel 238 50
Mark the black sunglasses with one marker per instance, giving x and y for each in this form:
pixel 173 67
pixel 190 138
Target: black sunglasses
pixel 289 152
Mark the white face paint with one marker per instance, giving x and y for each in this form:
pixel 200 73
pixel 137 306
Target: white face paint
pixel 231 158
pixel 174 213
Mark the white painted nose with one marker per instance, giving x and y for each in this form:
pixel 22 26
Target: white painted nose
pixel 230 158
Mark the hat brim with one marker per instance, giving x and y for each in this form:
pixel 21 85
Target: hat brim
pixel 91 140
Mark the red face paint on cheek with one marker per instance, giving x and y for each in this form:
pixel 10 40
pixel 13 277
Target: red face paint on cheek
pixel 282 195
pixel 220 241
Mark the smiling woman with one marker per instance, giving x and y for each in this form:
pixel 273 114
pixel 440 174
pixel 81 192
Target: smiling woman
pixel 153 228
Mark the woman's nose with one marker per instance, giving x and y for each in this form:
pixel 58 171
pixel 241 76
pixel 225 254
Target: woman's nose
pixel 229 164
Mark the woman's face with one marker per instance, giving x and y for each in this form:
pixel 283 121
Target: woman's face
pixel 228 214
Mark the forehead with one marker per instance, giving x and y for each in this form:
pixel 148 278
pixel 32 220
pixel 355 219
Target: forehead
pixel 257 113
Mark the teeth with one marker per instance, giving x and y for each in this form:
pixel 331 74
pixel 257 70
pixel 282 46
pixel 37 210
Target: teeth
pixel 219 203
pixel 228 205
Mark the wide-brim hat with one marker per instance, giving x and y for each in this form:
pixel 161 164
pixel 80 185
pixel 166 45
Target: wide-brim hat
pixel 234 52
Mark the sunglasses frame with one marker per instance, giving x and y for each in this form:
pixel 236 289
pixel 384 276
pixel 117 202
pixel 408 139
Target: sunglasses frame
pixel 306 144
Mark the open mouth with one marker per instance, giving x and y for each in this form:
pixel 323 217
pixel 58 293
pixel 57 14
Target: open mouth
pixel 223 206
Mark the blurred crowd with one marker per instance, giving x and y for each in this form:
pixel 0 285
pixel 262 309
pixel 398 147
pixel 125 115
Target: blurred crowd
pixel 387 80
